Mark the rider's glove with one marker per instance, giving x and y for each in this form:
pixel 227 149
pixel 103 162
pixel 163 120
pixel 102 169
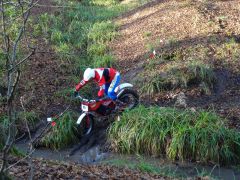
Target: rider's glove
pixel 101 91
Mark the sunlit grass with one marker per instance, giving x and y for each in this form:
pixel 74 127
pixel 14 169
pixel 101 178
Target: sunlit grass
pixel 176 75
pixel 178 134
pixel 80 38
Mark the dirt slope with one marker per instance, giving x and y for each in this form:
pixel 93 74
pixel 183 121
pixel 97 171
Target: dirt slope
pixel 164 20
pixel 186 22
pixel 203 29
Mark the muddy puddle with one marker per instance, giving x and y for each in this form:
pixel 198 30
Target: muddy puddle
pixel 176 169
pixel 94 155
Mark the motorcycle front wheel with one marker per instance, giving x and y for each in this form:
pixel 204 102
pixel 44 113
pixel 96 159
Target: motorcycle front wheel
pixel 85 127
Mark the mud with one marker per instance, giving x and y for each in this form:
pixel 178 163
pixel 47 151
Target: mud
pixel 89 152
pixel 90 149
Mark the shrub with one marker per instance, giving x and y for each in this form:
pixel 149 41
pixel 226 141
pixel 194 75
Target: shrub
pixel 179 134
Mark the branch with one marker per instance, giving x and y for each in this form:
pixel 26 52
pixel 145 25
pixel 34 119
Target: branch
pixel 5 36
pixel 17 17
pixel 53 6
pixel 13 87
pixel 22 61
pixel 12 79
pixel 22 29
pixel 9 167
pixel 30 148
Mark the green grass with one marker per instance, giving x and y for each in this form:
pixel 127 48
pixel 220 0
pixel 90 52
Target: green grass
pixel 62 134
pixel 31 117
pixel 176 75
pixel 178 134
pixel 80 36
pixel 146 167
pixel 86 31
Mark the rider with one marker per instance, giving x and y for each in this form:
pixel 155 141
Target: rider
pixel 107 78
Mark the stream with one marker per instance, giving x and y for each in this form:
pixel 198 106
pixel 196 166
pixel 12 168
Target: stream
pixel 95 155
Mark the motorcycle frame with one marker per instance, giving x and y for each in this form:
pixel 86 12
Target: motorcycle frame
pixel 119 90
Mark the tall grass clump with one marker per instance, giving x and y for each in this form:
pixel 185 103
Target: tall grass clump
pixel 179 75
pixel 62 134
pixel 31 117
pixel 178 134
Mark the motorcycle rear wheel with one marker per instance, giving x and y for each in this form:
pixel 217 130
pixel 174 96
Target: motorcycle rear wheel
pixel 129 98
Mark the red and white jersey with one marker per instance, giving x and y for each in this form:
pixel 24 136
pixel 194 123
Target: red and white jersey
pixel 102 76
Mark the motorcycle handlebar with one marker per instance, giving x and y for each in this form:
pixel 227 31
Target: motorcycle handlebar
pixel 77 95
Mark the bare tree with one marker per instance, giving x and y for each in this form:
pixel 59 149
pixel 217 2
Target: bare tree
pixel 11 45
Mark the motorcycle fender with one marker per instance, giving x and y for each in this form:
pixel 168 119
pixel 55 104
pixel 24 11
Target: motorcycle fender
pixel 122 86
pixel 81 118
pixel 119 94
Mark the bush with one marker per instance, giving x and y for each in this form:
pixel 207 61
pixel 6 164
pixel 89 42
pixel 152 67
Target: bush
pixel 179 134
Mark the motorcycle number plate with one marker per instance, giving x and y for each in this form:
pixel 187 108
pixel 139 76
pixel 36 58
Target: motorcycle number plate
pixel 84 107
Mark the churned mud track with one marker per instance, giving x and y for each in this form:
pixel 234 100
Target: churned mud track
pixel 91 148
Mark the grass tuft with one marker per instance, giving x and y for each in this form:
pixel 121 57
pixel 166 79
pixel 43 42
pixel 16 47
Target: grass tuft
pixel 31 117
pixel 62 134
pixel 179 134
pixel 186 75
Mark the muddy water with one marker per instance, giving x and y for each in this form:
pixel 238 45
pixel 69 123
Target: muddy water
pixel 181 169
pixel 95 156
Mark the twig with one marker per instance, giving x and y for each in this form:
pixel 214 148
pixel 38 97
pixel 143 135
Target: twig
pixel 30 148
pixel 52 6
pixel 22 61
pixel 12 79
pixel 17 17
pixel 9 167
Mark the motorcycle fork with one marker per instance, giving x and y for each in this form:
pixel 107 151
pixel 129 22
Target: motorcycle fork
pixel 88 121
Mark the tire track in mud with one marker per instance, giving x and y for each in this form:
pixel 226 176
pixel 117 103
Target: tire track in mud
pixel 91 148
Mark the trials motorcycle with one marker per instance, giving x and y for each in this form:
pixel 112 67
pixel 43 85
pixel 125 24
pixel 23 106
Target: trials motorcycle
pixel 92 110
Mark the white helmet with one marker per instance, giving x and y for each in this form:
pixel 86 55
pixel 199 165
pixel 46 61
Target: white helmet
pixel 88 74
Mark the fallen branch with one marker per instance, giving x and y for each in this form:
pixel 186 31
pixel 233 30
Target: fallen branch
pixel 27 156
pixel 30 147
